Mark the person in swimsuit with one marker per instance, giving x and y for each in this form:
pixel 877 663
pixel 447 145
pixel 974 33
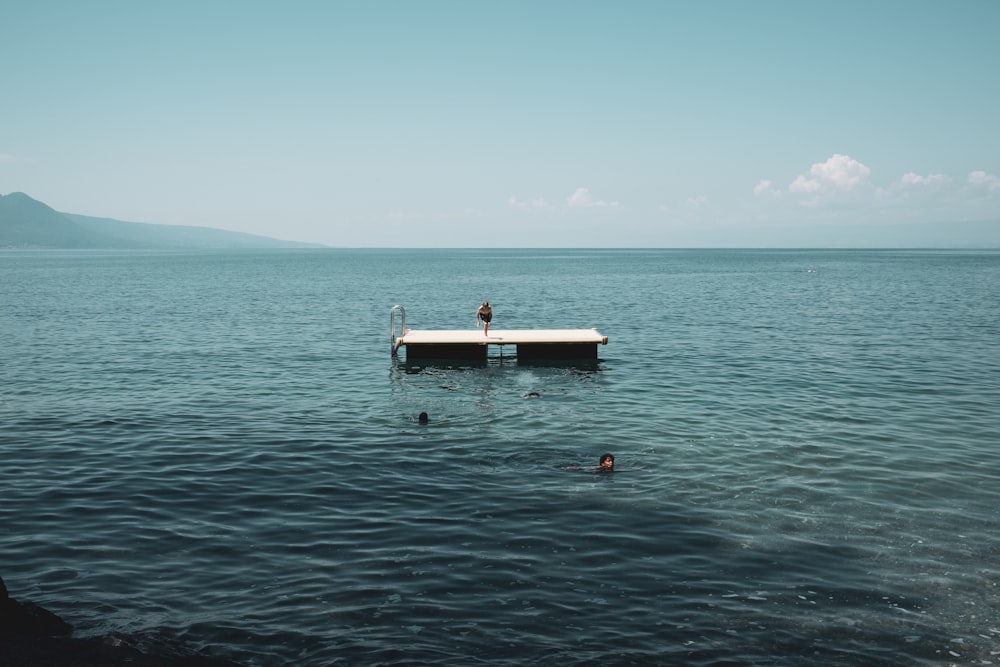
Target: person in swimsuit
pixel 605 464
pixel 484 315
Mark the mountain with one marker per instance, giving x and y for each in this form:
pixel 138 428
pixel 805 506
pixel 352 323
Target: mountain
pixel 25 222
pixel 28 223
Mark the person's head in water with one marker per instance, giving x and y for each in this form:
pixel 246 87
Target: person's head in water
pixel 423 418
pixel 607 462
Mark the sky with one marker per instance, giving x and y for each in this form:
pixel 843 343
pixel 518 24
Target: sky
pixel 481 123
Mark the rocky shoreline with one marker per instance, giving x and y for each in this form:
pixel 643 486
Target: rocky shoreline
pixel 32 635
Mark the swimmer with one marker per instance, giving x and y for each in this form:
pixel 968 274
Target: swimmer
pixel 423 418
pixel 532 394
pixel 605 464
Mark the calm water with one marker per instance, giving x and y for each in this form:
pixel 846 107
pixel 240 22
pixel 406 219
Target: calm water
pixel 217 449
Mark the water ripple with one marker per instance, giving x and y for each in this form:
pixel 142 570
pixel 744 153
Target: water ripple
pixel 805 461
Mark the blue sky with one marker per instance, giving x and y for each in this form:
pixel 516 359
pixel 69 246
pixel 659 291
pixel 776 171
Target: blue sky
pixel 480 124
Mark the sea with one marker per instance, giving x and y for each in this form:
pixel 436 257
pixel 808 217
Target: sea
pixel 217 450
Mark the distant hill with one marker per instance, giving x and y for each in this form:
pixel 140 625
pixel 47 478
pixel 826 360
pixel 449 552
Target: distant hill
pixel 28 223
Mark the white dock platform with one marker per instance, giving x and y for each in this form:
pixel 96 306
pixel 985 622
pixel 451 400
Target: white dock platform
pixel 471 344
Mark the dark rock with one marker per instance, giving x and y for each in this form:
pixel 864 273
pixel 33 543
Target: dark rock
pixel 27 619
pixel 32 635
pixel 93 652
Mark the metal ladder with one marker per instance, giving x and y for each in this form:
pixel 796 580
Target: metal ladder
pixel 393 347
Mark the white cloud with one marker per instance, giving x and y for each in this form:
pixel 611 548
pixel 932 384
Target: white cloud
pixel 913 187
pixel 536 203
pixel 803 184
pixel 980 178
pixel 842 185
pixel 764 187
pixel 915 180
pixel 583 199
pixel 697 202
pixel 840 172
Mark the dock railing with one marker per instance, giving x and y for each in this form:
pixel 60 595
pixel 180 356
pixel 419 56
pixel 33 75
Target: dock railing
pixel 393 345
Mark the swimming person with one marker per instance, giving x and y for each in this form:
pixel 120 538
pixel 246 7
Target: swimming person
pixel 485 314
pixel 423 418
pixel 605 464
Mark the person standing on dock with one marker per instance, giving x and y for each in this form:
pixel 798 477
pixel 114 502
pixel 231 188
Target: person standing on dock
pixel 485 315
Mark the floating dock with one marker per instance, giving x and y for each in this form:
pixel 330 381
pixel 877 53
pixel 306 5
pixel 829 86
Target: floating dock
pixel 473 344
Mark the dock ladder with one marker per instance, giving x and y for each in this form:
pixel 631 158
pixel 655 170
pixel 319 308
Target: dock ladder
pixel 393 346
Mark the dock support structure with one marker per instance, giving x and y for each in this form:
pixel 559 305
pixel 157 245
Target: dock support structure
pixel 454 351
pixel 556 351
